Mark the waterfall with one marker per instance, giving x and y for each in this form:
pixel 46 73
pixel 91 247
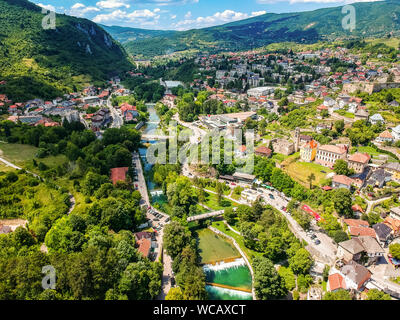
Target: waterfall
pixel 219 266
pixel 229 293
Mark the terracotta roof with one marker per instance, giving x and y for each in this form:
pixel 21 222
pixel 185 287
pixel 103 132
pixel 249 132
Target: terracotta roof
pixel 336 281
pixel 356 223
pixel 343 180
pixel 360 157
pixel 358 208
pixel 362 231
pixel 393 223
pixel 264 150
pixel 356 272
pixel 332 148
pixel 144 246
pixel 386 135
pixel 118 174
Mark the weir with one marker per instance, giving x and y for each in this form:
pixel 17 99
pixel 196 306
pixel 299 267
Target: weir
pixel 227 287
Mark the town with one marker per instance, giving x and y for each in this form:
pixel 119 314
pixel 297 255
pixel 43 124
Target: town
pixel 326 125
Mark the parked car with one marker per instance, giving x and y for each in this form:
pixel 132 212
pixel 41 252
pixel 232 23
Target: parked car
pixel 271 197
pixel 317 242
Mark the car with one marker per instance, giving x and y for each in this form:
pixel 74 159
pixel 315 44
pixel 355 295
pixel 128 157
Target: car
pixel 322 171
pixel 313 236
pixel 317 242
pixel 271 197
pixel 168 220
pixel 234 184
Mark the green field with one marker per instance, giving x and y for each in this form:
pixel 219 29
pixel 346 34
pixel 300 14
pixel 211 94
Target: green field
pixel 214 248
pixel 371 151
pixel 301 170
pixel 23 154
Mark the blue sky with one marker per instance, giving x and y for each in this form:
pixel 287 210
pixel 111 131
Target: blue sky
pixel 179 14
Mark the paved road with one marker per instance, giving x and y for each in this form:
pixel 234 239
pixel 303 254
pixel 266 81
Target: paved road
pixel 372 204
pixel 118 121
pixel 198 133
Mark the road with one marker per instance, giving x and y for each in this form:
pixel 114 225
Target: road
pixel 198 133
pixel 118 121
pixel 167 260
pixel 372 204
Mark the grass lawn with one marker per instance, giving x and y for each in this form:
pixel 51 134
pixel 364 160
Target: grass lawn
pixel 301 170
pixel 5 168
pixel 239 239
pixel 279 157
pixel 212 202
pixel 371 151
pixel 23 154
pixel 213 247
pixel 226 192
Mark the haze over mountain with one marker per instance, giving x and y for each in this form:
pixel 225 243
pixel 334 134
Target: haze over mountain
pixel 373 19
pixel 45 63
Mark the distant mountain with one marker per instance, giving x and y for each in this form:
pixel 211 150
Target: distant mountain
pixel 126 34
pixel 373 19
pixel 47 63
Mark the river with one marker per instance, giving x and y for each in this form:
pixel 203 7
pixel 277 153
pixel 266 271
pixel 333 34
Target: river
pixel 230 276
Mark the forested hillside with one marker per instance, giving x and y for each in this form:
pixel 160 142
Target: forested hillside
pixel 46 63
pixel 373 19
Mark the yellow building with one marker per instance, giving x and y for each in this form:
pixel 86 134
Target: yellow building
pixel 308 151
pixel 394 169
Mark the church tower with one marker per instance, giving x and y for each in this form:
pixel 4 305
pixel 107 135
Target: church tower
pixel 297 139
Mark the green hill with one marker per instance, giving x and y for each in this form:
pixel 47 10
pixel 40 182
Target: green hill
pixel 373 19
pixel 47 63
pixel 126 34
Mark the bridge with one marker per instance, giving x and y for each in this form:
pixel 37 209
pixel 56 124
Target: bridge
pixel 206 216
pixel 152 137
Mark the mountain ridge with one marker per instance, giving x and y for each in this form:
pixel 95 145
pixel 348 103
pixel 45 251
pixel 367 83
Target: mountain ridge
pixel 372 20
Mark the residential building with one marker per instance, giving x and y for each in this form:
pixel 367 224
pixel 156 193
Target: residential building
pixel 396 133
pixel 384 234
pixel 360 248
pixel 244 177
pixel 283 146
pixel 376 118
pixel 336 282
pixel 308 151
pixel 327 155
pixel 385 136
pixel 395 213
pixel 263 152
pixel 394 169
pixel 379 178
pixel 361 115
pixel 118 174
pixel 355 275
pixel 340 181
pixel 251 195
pixel 358 161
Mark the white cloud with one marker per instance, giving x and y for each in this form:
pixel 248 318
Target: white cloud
pixel 258 13
pixel 47 6
pixel 143 17
pixel 314 1
pixel 188 15
pixel 112 4
pixel 79 10
pixel 216 19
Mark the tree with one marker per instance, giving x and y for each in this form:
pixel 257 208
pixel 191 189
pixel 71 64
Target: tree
pixel 340 236
pixel 176 237
pixel 268 284
pixel 339 126
pixel 230 216
pixel 310 179
pixel 174 294
pixel 342 201
pixel 301 262
pixel 337 295
pixel 394 250
pixel 341 167
pixel 375 294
